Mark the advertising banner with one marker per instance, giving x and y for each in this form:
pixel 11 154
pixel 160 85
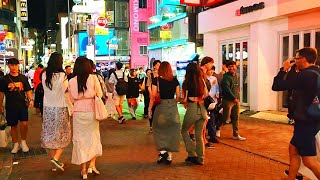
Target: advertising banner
pixel 24 10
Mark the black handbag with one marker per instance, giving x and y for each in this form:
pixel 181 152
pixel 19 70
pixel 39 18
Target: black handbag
pixel 209 101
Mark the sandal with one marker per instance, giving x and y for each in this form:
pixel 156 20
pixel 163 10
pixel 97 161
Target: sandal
pixel 93 169
pixel 84 174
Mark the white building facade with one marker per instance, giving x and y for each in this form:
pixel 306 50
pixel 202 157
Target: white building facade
pixel 259 36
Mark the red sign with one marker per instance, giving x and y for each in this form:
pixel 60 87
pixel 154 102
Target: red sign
pixel 101 21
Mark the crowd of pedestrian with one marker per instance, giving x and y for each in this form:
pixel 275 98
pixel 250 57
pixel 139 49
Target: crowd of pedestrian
pixel 62 94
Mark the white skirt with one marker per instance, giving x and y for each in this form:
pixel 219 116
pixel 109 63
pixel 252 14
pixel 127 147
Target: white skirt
pixel 86 138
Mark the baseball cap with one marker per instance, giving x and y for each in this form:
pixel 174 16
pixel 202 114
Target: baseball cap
pixel 13 61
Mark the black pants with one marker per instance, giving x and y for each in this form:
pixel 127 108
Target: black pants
pixel 211 125
pixel 146 104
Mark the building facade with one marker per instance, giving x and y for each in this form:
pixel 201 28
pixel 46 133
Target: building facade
pixel 140 12
pixel 259 36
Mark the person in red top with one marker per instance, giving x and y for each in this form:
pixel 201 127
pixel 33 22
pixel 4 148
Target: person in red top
pixel 36 77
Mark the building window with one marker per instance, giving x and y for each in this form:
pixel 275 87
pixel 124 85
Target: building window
pixel 142 3
pixel 142 26
pixel 122 14
pixel 123 44
pixel 143 50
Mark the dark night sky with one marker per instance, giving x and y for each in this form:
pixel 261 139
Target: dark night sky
pixel 36 13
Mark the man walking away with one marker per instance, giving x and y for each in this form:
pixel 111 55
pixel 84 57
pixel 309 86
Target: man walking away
pixel 15 86
pixel 303 143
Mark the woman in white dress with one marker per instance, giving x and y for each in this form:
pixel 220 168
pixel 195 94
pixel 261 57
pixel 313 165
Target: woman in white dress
pixel 56 128
pixel 86 134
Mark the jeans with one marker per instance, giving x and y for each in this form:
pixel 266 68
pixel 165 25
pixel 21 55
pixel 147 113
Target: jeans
pixel 230 110
pixel 195 115
pixel 211 125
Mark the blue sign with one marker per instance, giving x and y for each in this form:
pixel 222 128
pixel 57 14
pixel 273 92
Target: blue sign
pixel 2 46
pixel 101 42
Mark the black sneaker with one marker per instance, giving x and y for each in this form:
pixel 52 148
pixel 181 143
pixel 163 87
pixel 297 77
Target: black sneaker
pixel 199 161
pixel 291 121
pixel 134 118
pixel 163 158
pixel 57 164
pixel 209 146
pixel 190 159
pixel 121 120
pixel 215 140
pixel 298 177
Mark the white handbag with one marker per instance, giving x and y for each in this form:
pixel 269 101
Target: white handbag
pixel 100 109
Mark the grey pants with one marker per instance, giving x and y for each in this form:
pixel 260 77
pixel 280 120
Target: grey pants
pixel 231 110
pixel 195 115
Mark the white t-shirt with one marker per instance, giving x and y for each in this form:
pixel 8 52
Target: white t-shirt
pixel 56 96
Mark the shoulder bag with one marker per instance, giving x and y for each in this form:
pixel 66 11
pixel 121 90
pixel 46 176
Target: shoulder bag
pixel 100 110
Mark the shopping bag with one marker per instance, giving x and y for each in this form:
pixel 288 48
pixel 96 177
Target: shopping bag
pixel 100 109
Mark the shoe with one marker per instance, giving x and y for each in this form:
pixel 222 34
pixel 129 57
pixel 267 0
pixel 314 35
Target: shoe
pixel 199 161
pixel 150 131
pixel 93 169
pixel 55 169
pixel 24 146
pixel 16 148
pixel 298 177
pixel 121 120
pixel 209 146
pixel 214 140
pixel 218 134
pixel 57 164
pixel 145 116
pixel 84 174
pixel 239 138
pixel 192 137
pixel 191 159
pixel 163 158
pixel 291 121
pixel 134 118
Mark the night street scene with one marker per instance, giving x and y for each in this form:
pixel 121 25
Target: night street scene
pixel 160 89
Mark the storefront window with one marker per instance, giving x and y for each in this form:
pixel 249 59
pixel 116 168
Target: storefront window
pixel 285 48
pixel 318 46
pixel 295 44
pixel 307 39
pixel 122 16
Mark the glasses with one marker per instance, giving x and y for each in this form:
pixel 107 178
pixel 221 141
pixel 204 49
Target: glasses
pixel 296 58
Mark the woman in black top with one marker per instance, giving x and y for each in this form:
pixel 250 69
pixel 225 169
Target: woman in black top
pixel 166 121
pixel 194 90
pixel 133 93
pixel 146 92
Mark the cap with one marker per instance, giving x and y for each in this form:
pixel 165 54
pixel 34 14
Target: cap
pixel 13 61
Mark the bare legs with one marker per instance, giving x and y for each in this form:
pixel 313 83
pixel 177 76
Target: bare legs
pixel 23 131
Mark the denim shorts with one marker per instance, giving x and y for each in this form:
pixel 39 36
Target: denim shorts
pixel 13 116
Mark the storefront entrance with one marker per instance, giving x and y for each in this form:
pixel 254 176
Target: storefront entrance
pixel 237 50
pixel 290 42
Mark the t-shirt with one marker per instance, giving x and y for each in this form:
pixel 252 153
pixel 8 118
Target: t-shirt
pixel 133 88
pixel 167 88
pixel 14 99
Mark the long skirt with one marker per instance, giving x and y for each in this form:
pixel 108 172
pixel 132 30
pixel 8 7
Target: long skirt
pixel 166 126
pixel 86 138
pixel 56 128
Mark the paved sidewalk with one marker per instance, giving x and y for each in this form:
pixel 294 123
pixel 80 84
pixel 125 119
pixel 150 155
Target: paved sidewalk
pixel 129 153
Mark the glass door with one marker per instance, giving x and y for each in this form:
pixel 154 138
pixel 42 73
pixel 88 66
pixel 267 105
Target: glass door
pixel 237 50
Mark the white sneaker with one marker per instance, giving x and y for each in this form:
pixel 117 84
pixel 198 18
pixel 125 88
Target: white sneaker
pixel 239 138
pixel 16 148
pixel 218 134
pixel 24 146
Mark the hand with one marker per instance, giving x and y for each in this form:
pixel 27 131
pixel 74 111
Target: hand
pixel 287 65
pixel 149 114
pixel 236 101
pixel 217 95
pixel 185 104
pixel 31 104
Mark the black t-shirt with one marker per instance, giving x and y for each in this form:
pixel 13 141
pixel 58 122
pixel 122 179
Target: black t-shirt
pixel 167 88
pixel 133 87
pixel 192 90
pixel 14 99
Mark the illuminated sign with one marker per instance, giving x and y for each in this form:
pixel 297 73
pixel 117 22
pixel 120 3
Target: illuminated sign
pixel 24 10
pixel 248 9
pixel 165 34
pixel 135 15
pixel 205 2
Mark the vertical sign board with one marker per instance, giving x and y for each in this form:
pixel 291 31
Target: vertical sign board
pixel 24 10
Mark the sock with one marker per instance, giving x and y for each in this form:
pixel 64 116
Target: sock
pixel 169 156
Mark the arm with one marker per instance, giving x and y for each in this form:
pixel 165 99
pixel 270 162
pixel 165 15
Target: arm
pixel 178 93
pixel 29 95
pixel 152 96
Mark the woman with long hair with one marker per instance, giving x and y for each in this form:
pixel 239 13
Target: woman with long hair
pixel 56 128
pixel 146 95
pixel 83 88
pixel 194 90
pixel 166 122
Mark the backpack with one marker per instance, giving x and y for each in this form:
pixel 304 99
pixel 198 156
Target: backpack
pixel 121 86
pixel 314 108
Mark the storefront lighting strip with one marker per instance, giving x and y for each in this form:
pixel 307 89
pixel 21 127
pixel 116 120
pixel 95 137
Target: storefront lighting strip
pixel 168 44
pixel 164 22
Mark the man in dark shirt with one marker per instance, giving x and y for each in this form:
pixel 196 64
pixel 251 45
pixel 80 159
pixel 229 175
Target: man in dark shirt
pixel 15 86
pixel 303 143
pixel 68 71
pixel 230 99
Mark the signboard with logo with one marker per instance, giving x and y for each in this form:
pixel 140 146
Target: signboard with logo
pixel 249 9
pixel 24 10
